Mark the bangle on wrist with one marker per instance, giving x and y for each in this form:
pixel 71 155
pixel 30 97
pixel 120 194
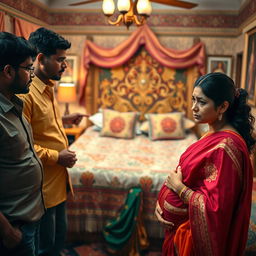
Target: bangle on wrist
pixel 181 191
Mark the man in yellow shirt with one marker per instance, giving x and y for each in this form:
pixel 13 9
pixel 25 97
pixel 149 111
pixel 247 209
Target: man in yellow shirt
pixel 41 110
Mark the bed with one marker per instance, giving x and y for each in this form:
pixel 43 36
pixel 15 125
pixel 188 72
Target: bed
pixel 108 167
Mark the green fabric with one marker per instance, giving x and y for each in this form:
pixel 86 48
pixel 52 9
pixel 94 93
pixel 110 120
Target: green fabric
pixel 118 232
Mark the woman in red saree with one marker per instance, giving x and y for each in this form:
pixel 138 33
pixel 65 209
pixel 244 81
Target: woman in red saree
pixel 206 201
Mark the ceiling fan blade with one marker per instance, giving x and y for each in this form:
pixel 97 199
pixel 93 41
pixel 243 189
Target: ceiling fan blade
pixel 84 2
pixel 183 4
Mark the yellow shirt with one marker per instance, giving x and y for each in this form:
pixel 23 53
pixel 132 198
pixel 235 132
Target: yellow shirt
pixel 42 112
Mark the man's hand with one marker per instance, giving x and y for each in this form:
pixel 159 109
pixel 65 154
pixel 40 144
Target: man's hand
pixel 67 158
pixel 74 118
pixel 9 235
pixel 12 237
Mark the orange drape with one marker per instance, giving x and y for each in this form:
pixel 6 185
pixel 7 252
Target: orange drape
pixel 24 28
pixel 183 239
pixel 2 24
pixel 114 57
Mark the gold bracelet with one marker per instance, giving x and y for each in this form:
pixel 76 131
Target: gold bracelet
pixel 182 190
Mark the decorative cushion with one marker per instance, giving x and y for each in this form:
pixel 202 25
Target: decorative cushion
pixel 188 124
pixel 166 126
pixel 119 124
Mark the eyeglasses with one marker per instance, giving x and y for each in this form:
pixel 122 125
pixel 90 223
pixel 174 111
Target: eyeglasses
pixel 30 69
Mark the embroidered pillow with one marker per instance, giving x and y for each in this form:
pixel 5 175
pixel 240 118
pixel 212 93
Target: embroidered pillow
pixel 166 126
pixel 188 124
pixel 118 124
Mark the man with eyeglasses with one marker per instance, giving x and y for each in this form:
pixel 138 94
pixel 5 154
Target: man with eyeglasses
pixel 42 111
pixel 28 68
pixel 21 171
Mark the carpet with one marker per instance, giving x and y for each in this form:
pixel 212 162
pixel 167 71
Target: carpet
pixel 84 250
pixel 95 249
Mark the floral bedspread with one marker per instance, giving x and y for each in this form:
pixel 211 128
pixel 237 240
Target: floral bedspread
pixel 119 163
pixel 107 168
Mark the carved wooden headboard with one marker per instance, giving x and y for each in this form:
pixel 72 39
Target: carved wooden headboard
pixel 141 85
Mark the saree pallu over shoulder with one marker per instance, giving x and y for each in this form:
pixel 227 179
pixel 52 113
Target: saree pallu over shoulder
pixel 218 173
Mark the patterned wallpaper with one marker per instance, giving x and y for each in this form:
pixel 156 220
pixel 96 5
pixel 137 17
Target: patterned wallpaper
pixel 247 11
pixel 163 20
pixel 29 8
pixel 199 20
pixel 214 45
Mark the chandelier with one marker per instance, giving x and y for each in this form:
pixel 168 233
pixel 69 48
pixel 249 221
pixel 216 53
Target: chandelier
pixel 130 11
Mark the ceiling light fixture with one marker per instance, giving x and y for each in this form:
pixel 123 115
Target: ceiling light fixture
pixel 130 11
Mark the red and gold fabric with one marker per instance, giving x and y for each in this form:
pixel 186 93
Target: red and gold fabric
pixel 218 174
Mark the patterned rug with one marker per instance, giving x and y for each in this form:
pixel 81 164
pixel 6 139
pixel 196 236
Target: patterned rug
pixel 84 250
pixel 96 249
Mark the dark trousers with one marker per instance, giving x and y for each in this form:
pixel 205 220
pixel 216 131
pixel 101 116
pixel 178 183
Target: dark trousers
pixel 29 243
pixel 53 227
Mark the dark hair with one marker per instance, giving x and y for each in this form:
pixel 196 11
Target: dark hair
pixel 219 87
pixel 14 50
pixel 47 41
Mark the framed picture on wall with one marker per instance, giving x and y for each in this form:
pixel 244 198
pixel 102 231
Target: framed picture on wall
pixel 249 66
pixel 71 73
pixel 221 64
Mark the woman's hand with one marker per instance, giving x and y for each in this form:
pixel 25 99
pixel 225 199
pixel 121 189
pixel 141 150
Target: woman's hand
pixel 158 212
pixel 174 180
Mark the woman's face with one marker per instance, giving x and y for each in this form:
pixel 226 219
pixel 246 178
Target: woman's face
pixel 203 108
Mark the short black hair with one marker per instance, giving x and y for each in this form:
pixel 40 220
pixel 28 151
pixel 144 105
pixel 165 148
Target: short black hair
pixel 47 41
pixel 14 50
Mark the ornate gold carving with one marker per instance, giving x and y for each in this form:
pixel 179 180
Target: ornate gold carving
pixel 144 86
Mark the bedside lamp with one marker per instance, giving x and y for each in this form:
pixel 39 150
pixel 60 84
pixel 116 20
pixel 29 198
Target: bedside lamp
pixel 66 94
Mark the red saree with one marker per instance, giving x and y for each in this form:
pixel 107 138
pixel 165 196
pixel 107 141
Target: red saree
pixel 212 216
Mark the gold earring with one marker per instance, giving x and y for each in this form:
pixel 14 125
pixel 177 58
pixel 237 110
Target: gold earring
pixel 220 117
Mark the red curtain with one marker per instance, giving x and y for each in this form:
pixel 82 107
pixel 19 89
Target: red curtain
pixel 24 28
pixel 2 24
pixel 114 57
